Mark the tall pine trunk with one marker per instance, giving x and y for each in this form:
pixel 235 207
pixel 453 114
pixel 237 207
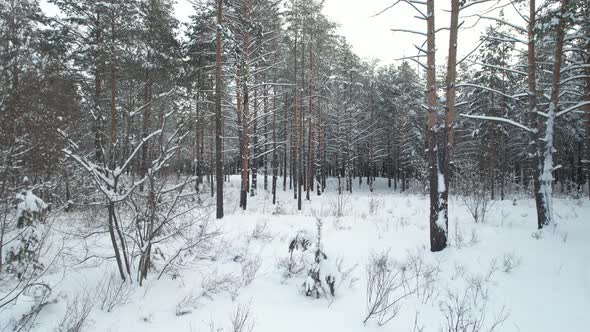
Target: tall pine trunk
pixel 245 119
pixel 547 162
pixel 534 118
pixel 254 156
pixel 310 155
pixel 587 109
pixel 438 236
pixel 218 119
pixel 275 162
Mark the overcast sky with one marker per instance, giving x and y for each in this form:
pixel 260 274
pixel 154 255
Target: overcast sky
pixel 371 37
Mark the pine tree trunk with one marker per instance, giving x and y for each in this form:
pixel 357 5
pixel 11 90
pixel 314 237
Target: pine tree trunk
pixel 300 132
pixel 547 162
pixel 295 131
pixel 239 125
pixel 147 98
pixel 534 118
pixel 98 116
pixel 254 156
pixel 218 119
pixel 212 139
pixel 438 223
pixel 448 131
pixel 265 151
pixel 370 173
pixel 285 150
pixel 112 65
pixel 244 186
pixel 310 175
pixel 320 170
pixel 587 99
pixel 587 109
pixel 275 162
pixel 245 119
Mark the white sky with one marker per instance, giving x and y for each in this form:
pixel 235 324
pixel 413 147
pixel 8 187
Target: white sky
pixel 371 37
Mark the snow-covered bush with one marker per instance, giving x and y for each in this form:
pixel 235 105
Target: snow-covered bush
pixel 322 277
pixel 29 207
pixel 22 257
pixel 279 209
pixel 298 245
pixel 322 272
pixel 305 254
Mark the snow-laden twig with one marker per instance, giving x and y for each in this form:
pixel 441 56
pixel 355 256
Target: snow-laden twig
pixel 498 119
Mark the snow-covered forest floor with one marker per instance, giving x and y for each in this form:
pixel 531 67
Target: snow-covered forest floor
pixel 496 271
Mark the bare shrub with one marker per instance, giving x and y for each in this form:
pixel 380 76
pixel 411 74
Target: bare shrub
pixel 279 209
pixel 385 288
pixel 242 319
pixel 421 277
pixel 417 326
pixel 466 310
pixel 211 284
pixel 492 269
pixel 215 282
pixel 196 242
pixel 113 292
pixel 339 204
pixel 509 262
pixel 346 273
pixel 261 232
pixel 187 304
pixel 375 204
pixel 390 281
pixel 458 272
pixel 473 191
pixel 40 294
pixel 461 240
pixel 250 267
pixel 76 315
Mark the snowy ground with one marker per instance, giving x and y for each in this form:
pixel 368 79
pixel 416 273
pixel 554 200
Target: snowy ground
pixel 542 284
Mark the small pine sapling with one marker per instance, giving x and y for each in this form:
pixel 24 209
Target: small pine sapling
pixel 22 258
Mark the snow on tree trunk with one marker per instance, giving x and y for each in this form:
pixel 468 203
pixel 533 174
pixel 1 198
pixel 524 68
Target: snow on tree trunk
pixel 546 177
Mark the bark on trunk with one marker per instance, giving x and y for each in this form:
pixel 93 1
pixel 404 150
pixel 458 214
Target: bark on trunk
pixel 310 175
pixel 438 236
pixel 534 118
pixel 547 173
pixel 218 119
